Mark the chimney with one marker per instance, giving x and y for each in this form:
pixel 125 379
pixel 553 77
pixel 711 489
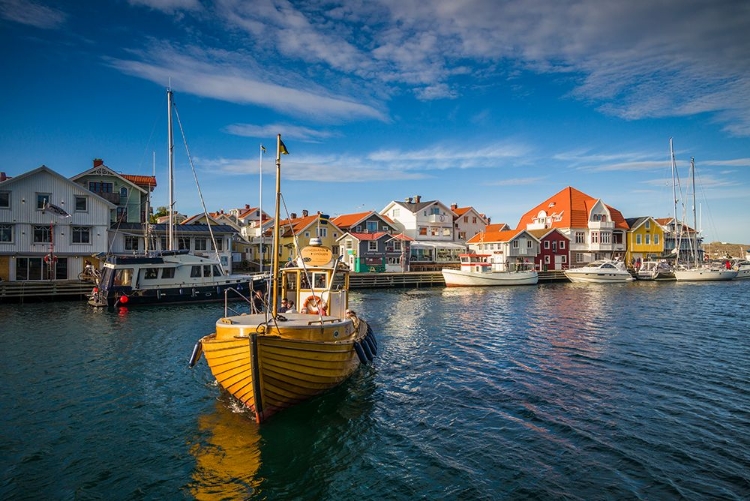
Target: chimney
pixel 408 200
pixel 3 177
pixel 247 206
pixel 417 198
pixel 98 162
pixel 454 206
pixel 304 213
pixel 293 215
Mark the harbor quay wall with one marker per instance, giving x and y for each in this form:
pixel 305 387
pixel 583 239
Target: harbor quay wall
pixel 75 289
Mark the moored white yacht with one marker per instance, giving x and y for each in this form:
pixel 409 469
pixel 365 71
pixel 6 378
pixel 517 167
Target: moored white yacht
pixel 601 271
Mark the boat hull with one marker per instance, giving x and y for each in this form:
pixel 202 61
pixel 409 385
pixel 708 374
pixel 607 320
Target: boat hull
pixel 598 278
pixel 460 278
pixel 704 275
pixel 292 361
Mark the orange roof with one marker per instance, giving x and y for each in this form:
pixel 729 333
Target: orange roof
pixel 494 236
pixel 149 181
pixel 347 220
pixel 572 208
pixel 496 227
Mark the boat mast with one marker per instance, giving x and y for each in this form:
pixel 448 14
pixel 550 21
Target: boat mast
pixel 677 231
pixel 695 217
pixel 276 228
pixel 260 205
pixel 170 136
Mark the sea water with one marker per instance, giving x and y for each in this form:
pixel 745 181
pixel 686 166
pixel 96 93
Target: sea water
pixel 556 391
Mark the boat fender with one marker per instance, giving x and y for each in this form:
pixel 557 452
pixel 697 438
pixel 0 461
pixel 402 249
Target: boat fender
pixel 123 299
pixel 360 353
pixel 281 318
pixel 374 349
pixel 196 355
pixel 367 350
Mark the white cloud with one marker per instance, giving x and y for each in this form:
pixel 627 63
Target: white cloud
pixel 32 14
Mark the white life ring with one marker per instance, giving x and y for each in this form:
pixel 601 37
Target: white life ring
pixel 314 305
pixel 50 259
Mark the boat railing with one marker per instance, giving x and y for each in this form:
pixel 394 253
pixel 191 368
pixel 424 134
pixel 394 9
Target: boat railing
pixel 234 292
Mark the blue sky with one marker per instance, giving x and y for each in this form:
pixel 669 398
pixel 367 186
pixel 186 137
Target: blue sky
pixel 495 105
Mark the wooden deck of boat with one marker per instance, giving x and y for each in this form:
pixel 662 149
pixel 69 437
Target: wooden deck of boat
pixel 75 289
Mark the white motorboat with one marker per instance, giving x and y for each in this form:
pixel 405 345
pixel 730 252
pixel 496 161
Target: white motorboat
pixel 478 270
pixel 602 271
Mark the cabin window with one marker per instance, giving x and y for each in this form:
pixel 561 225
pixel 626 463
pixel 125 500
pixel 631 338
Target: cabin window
pixel 81 235
pixel 217 271
pixel 319 280
pixel 42 234
pixel 6 233
pixel 4 199
pixel 123 276
pixel 131 243
pixel 42 199
pixel 195 272
pixel 151 273
pixel 167 273
pixel 81 204
pixel 206 270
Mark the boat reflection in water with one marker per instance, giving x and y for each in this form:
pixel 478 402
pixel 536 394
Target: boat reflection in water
pixel 227 457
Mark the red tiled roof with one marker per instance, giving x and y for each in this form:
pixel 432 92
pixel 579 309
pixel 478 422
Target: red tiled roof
pixel 347 220
pixel 496 227
pixel 494 236
pixel 149 181
pixel 368 236
pixel 573 208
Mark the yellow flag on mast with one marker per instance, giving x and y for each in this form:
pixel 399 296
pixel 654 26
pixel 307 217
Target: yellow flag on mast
pixel 282 147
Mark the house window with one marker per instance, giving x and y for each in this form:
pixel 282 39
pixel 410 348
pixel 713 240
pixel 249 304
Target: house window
pixel 656 239
pixel 554 246
pixel 579 257
pixel 4 199
pixel 546 244
pixel 372 245
pixel 446 232
pixel 435 211
pixel 100 187
pixel 81 204
pixel 466 219
pixel 648 225
pixel 6 233
pixel 201 244
pixel 594 237
pixel 131 243
pixel 474 220
pixel 42 199
pixel 323 232
pixel 606 237
pixel 220 244
pixel 546 259
pixel 372 226
pixel 397 245
pixel 638 239
pixel 81 235
pixel 515 244
pixel 528 244
pixel 122 214
pixel 358 229
pixel 183 243
pixel 562 244
pixel 423 231
pixel 164 245
pixel 396 213
pixel 42 235
pixel 580 237
pixel 124 193
pixel 648 239
pixel 462 235
pixel 563 259
pixel 386 229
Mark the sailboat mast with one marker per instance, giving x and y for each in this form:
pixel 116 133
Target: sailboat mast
pixel 170 136
pixel 260 205
pixel 276 230
pixel 677 231
pixel 695 217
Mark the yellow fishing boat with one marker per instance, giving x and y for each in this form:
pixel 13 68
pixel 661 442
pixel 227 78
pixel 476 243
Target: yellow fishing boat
pixel 275 358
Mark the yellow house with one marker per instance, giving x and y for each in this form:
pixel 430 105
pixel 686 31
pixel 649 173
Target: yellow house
pixel 297 231
pixel 645 239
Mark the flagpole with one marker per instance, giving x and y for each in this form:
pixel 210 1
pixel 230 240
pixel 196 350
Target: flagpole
pixel 260 204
